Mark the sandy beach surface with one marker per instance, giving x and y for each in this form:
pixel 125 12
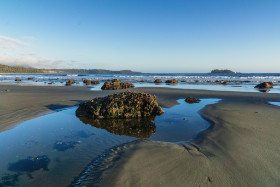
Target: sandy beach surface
pixel 20 103
pixel 240 149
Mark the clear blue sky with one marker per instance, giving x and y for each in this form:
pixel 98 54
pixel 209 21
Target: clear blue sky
pixel 142 35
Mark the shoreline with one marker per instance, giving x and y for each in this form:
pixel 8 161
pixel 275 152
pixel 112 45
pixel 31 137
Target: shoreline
pixel 21 103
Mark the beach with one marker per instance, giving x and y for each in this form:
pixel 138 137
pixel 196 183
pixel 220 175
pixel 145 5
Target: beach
pixel 239 149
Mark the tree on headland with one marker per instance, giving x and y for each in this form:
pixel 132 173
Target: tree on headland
pixel 22 69
pixel 222 71
pixel 18 69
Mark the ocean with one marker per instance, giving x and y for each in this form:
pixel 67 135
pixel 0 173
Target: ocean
pixel 240 82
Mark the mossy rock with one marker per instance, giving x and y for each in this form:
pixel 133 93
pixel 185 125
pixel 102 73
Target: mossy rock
pixel 172 81
pixel 265 85
pixel 158 81
pixel 126 105
pixel 192 100
pixel 70 82
pixel 116 85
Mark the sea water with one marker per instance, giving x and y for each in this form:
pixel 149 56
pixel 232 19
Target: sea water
pixel 240 82
pixel 275 103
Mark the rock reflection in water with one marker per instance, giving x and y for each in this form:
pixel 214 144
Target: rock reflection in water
pixel 139 128
pixel 264 90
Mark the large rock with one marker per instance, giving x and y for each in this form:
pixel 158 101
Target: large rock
pixel 172 81
pixel 126 105
pixel 265 85
pixel 116 85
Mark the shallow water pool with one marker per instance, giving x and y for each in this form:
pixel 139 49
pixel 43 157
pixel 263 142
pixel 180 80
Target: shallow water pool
pixel 52 150
pixel 275 103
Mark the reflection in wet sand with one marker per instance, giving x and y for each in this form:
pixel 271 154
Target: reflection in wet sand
pixel 139 128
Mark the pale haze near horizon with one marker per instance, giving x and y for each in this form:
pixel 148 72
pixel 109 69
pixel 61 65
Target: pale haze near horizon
pixel 142 35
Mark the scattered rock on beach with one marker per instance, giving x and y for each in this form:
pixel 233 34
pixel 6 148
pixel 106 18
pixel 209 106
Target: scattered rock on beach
pixel 158 81
pixel 70 82
pixel 115 80
pixel 17 79
pixel 265 85
pixel 30 78
pixel 192 100
pixel 95 82
pixel 172 81
pixel 116 85
pixel 5 90
pixel 224 82
pixel 126 105
pixel 87 82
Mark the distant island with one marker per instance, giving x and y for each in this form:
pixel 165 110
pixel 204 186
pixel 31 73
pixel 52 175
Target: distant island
pixel 22 69
pixel 222 71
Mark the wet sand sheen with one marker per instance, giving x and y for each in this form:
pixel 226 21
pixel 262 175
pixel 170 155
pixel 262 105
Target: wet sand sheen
pixel 241 149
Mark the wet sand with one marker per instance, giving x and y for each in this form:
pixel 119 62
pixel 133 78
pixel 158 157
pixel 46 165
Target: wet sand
pixel 240 149
pixel 20 103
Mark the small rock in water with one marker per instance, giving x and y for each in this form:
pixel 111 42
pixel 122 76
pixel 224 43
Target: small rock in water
pixel 87 82
pixel 70 82
pixel 17 79
pixel 172 81
pixel 115 80
pixel 265 85
pixel 116 85
pixel 95 82
pixel 158 81
pixel 192 100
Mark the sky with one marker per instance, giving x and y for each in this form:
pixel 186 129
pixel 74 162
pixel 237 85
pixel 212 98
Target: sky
pixel 161 36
